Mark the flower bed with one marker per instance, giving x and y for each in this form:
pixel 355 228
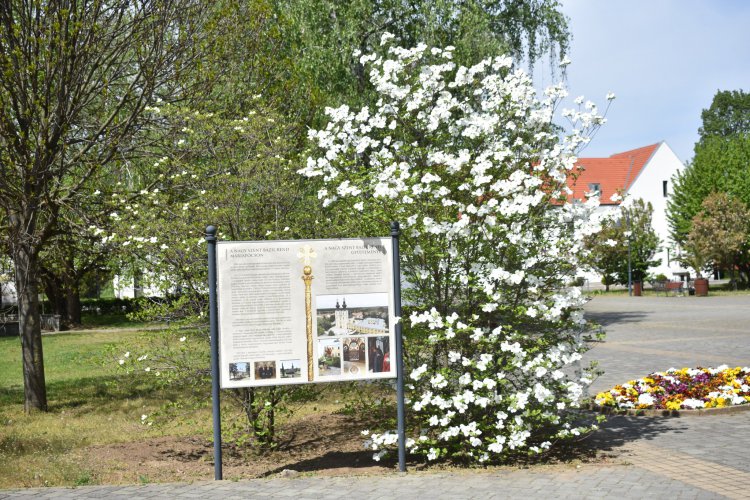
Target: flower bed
pixel 683 389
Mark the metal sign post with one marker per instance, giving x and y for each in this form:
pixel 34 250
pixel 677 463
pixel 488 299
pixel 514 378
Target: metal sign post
pixel 214 318
pixel 395 232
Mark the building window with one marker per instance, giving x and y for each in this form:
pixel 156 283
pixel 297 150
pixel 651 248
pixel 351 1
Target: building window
pixel 664 188
pixel 595 189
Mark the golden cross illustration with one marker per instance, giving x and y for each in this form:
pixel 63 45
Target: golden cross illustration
pixel 306 254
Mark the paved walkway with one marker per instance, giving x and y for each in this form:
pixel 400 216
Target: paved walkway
pixel 646 334
pixel 689 457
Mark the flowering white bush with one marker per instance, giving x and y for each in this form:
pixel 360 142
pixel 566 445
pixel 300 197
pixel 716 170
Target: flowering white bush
pixel 234 173
pixel 470 163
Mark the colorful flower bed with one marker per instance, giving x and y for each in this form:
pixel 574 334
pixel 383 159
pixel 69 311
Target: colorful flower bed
pixel 684 389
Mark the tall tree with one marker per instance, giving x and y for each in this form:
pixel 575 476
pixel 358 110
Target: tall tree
pixel 75 79
pixel 607 252
pixel 727 117
pixel 720 165
pixel 324 35
pixel 722 231
pixel 629 237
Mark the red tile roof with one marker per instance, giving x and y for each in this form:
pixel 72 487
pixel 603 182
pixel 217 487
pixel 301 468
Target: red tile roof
pixel 613 174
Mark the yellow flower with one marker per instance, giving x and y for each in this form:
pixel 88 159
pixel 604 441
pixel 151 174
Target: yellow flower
pixel 673 405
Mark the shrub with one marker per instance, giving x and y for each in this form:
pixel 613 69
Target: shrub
pixel 469 161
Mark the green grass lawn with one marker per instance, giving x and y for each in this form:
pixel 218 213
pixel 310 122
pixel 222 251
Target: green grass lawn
pixel 95 406
pixel 91 402
pixel 67 357
pixel 111 320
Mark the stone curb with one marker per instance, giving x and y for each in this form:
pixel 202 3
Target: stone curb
pixel 701 412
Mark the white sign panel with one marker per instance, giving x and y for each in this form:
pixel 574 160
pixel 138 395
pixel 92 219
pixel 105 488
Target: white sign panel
pixel 293 312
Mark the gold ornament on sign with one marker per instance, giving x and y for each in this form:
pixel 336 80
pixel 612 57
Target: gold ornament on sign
pixel 306 254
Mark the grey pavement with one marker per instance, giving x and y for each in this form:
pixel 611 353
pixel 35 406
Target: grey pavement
pixel 692 457
pixel 646 334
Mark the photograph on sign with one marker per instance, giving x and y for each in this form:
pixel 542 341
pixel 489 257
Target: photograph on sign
pixel 302 311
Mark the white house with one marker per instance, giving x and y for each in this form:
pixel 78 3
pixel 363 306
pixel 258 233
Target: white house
pixel 7 291
pixel 639 173
pixel 130 287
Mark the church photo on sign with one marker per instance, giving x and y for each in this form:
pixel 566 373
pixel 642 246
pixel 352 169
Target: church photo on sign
pixel 352 314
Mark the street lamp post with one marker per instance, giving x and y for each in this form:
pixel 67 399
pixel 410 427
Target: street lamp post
pixel 630 272
pixel 630 266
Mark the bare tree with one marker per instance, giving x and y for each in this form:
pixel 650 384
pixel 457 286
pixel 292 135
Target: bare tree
pixel 76 77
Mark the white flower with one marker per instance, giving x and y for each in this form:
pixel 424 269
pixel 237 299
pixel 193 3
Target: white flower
pixel 385 37
pixel 645 399
pixel 610 96
pixel 438 381
pixel 693 403
pixel 417 373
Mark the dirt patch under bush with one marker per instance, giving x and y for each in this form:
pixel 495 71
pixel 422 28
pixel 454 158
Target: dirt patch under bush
pixel 327 444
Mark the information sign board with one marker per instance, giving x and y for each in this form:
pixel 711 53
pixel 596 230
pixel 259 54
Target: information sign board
pixel 300 311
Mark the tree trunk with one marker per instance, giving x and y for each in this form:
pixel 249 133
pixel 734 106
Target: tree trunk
pixel 27 270
pixel 137 283
pixel 73 303
pixel 53 290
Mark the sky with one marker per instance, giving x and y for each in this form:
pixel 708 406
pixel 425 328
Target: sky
pixel 663 59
